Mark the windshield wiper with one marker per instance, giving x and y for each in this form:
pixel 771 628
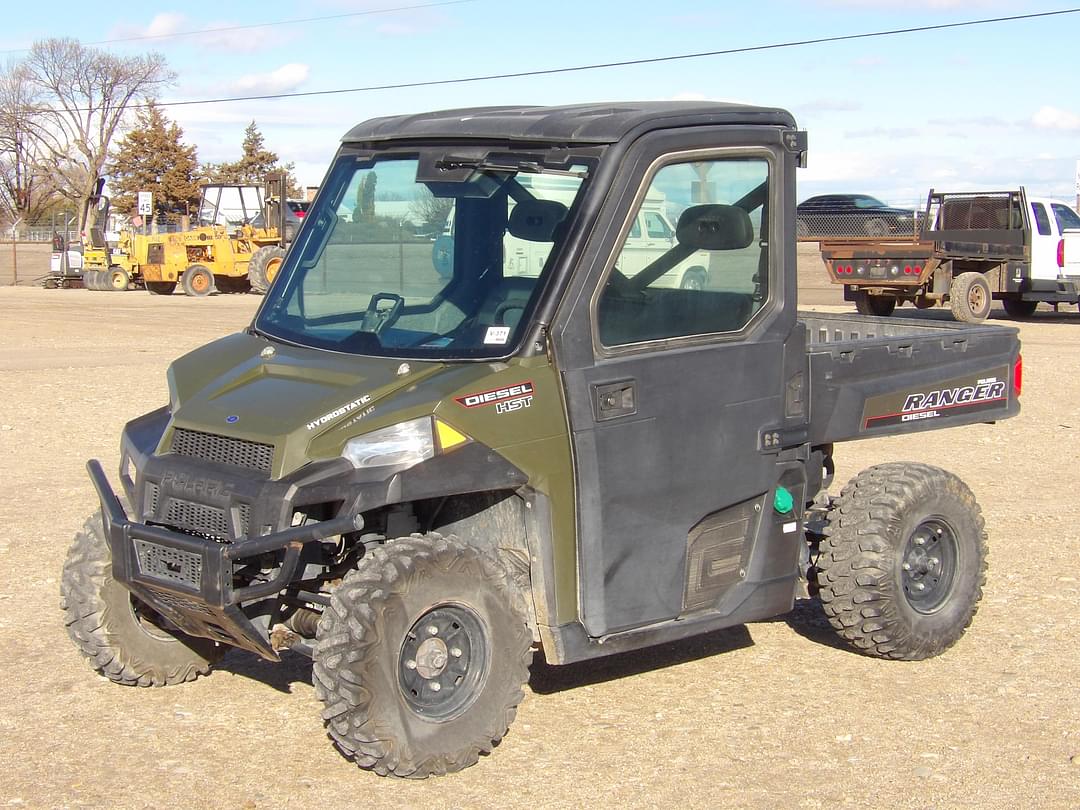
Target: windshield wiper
pixel 527 166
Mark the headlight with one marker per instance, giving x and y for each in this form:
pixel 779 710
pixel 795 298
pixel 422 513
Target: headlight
pixel 406 444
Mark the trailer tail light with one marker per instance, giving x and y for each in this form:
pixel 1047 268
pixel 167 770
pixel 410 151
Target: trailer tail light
pixel 1018 375
pixel 1061 253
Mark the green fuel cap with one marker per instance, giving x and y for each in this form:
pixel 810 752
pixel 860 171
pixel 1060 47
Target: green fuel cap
pixel 782 501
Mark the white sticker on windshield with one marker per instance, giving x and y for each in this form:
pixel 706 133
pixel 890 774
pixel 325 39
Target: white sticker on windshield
pixel 497 335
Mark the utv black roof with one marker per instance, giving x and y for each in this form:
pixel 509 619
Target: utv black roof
pixel 576 123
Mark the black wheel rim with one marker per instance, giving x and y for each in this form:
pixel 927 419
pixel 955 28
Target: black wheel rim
pixel 149 620
pixel 443 662
pixel 929 564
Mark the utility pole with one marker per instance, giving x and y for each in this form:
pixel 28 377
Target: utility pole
pixel 1078 186
pixel 15 253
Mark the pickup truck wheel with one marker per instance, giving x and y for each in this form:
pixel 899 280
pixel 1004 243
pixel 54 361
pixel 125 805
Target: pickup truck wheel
pixel 422 656
pixel 695 279
pixel 969 298
pixel 880 305
pixel 903 562
pixel 124 639
pixel 1018 308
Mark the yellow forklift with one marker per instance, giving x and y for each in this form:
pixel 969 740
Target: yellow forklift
pixel 237 244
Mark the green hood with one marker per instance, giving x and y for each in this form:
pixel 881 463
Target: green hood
pixel 244 386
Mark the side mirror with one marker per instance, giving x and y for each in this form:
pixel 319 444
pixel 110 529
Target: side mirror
pixel 715 227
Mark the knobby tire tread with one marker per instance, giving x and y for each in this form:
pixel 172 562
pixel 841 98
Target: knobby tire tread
pixel 857 559
pixel 348 642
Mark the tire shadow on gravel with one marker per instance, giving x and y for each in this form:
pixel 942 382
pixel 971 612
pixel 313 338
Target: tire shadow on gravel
pixel 293 668
pixel 546 679
pixel 808 619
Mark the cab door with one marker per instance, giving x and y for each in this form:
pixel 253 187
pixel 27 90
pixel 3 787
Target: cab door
pixel 1043 244
pixel 676 398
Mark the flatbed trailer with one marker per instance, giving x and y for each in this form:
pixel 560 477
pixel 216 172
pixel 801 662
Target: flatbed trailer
pixel 972 248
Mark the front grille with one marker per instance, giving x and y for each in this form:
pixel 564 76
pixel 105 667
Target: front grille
pixel 169 564
pixel 223 449
pixel 198 518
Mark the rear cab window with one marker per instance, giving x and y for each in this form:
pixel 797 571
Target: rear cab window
pixel 1067 219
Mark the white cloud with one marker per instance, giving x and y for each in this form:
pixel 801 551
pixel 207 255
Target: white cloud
pixel 165 23
pixel 283 80
pixel 174 28
pixel 1054 118
pixel 829 105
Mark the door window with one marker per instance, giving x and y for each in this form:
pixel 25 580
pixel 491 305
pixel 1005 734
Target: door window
pixel 710 273
pixel 657 227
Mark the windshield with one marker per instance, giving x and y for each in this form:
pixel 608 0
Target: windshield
pixel 390 266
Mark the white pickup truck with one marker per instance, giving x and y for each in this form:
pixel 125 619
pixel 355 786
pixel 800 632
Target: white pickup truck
pixel 973 248
pixel 650 235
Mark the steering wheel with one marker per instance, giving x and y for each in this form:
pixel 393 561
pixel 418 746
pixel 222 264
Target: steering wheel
pixel 375 320
pixel 505 307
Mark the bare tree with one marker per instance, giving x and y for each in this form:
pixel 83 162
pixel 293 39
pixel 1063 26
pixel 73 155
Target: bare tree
pixel 27 188
pixel 82 95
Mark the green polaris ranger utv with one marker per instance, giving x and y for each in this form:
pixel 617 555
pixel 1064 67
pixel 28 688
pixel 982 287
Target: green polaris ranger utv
pixel 423 461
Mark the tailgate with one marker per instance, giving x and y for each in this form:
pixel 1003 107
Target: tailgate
pixel 877 376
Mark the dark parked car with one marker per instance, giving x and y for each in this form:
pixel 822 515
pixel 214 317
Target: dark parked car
pixel 294 215
pixel 839 215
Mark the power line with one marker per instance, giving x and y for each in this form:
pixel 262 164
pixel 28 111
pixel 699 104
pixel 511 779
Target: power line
pixel 624 63
pixel 249 26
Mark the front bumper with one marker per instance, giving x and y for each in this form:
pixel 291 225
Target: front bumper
pixel 189 580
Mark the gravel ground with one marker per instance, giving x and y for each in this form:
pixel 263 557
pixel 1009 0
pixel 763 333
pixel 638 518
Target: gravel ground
pixel 773 714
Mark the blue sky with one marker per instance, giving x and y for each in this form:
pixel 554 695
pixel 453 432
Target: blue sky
pixel 984 107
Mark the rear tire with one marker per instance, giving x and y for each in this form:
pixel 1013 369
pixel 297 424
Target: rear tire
pixel 879 305
pixel 118 634
pixel 969 298
pixel 422 657
pixel 1018 308
pixel 197 281
pixel 264 266
pixel 903 562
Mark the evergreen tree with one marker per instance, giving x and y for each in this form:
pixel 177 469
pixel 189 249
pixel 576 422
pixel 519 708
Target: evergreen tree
pixel 152 157
pixel 256 161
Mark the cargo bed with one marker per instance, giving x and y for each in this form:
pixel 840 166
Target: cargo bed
pixel 874 376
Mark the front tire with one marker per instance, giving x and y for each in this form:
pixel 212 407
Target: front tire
pixel 903 562
pixel 694 279
pixel 969 298
pixel 123 639
pixel 422 657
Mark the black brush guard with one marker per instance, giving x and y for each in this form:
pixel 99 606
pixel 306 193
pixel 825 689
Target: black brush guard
pixel 189 580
